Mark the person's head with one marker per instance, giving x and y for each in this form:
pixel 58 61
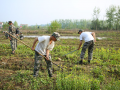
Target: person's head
pixel 80 31
pixel 55 36
pixel 10 22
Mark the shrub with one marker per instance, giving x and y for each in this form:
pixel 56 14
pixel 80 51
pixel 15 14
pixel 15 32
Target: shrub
pixel 96 71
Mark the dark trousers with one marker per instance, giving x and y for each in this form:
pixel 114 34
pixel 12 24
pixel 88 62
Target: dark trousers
pixel 90 46
pixel 13 43
pixel 38 60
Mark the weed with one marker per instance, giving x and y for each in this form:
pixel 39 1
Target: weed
pixel 103 72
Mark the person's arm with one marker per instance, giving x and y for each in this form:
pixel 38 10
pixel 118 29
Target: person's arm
pixel 40 39
pixel 36 39
pixel 17 32
pixel 80 44
pixel 93 34
pixel 47 54
pixel 9 32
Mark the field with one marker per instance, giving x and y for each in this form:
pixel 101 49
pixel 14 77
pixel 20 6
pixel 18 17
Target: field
pixel 103 73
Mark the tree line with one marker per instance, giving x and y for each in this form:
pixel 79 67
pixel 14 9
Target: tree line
pixel 112 22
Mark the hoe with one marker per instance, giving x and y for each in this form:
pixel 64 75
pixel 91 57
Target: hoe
pixel 36 51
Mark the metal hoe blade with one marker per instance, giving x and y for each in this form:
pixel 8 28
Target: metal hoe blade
pixel 70 52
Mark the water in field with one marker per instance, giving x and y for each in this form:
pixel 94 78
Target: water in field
pixel 65 37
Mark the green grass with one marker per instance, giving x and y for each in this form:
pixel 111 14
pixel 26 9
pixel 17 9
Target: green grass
pixel 102 73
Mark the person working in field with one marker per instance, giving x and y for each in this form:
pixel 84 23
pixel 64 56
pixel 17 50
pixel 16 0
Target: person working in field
pixel 21 36
pixel 6 35
pixel 89 38
pixel 13 41
pixel 44 46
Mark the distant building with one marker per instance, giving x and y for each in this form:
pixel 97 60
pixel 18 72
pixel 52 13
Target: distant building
pixel 22 25
pixel 1 24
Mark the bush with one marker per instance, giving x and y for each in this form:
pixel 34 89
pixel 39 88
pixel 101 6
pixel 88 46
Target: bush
pixel 81 82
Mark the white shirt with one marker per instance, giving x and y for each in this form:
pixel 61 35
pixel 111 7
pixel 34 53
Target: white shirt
pixel 86 36
pixel 43 45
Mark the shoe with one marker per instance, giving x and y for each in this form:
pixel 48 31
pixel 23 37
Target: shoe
pixel 12 53
pixel 50 76
pixel 81 62
pixel 89 61
pixel 34 75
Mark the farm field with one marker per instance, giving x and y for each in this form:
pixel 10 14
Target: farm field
pixel 103 73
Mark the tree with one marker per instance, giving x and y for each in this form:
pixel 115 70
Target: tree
pixel 54 26
pixel 5 25
pixel 95 20
pixel 15 24
pixel 110 14
pixel 117 18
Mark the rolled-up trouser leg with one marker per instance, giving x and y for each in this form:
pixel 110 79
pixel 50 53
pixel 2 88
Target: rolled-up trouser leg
pixel 49 66
pixel 13 44
pixel 38 59
pixel 85 46
pixel 90 51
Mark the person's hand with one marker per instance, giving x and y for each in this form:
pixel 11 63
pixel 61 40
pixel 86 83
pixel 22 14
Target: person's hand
pixel 78 49
pixel 47 57
pixel 9 38
pixel 17 35
pixel 94 40
pixel 32 49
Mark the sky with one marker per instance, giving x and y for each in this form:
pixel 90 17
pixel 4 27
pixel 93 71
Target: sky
pixel 36 12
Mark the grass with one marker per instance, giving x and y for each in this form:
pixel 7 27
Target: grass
pixel 103 73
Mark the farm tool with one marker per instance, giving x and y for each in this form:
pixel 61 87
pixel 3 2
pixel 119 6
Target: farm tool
pixel 70 52
pixel 34 50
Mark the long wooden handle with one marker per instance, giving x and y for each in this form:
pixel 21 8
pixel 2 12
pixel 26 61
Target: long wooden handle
pixel 35 50
pixel 17 39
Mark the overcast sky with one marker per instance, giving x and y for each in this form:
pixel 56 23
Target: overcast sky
pixel 38 12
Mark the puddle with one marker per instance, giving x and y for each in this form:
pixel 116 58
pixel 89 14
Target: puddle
pixel 66 37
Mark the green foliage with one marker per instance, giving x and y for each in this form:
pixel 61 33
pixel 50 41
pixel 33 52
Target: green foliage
pixel 113 85
pixel 96 71
pixel 117 18
pixel 95 84
pixel 16 24
pixel 101 78
pixel 24 27
pixel 81 82
pixel 54 26
pixel 5 26
pixel 110 14
pixel 95 21
pixel 75 24
pixel 103 72
pixel 27 81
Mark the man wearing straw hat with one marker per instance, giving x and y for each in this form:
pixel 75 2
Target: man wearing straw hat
pixel 89 38
pixel 44 46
